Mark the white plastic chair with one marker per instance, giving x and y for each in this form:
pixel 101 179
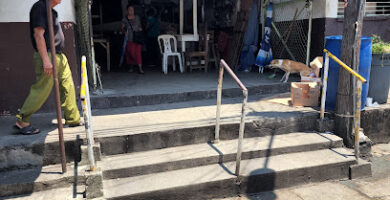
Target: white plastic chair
pixel 167 51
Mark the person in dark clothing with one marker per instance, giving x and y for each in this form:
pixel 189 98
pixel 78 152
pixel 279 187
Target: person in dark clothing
pixel 43 85
pixel 152 32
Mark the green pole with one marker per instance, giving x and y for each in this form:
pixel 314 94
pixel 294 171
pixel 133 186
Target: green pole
pixel 309 32
pixel 263 16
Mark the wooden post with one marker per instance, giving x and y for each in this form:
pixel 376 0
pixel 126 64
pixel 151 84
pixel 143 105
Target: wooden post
pixel 349 49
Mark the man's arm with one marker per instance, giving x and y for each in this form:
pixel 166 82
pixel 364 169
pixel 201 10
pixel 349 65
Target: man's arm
pixel 42 49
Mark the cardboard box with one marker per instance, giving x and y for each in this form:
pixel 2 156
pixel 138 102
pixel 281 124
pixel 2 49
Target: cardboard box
pixel 305 93
pixel 310 79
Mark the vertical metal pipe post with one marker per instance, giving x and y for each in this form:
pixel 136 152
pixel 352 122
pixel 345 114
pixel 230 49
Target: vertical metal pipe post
pixel 309 32
pixel 195 16
pixel 219 102
pixel 324 86
pixel 357 117
pixel 263 16
pixel 241 133
pixel 181 16
pixel 358 83
pixel 203 11
pixel 85 100
pixel 56 86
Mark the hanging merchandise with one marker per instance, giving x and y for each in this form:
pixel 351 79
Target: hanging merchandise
pixel 264 57
pixel 248 52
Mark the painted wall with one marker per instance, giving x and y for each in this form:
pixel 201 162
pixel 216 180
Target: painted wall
pixel 284 10
pixel 371 25
pixel 18 10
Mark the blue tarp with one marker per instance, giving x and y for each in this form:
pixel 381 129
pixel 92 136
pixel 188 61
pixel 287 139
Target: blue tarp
pixel 264 57
pixel 249 49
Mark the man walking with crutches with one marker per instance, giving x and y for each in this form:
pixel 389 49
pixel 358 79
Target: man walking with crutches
pixel 43 85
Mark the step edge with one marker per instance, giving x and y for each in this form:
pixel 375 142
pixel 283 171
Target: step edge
pixel 210 160
pixel 335 165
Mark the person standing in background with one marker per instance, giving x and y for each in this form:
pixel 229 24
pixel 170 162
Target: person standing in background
pixel 131 24
pixel 152 32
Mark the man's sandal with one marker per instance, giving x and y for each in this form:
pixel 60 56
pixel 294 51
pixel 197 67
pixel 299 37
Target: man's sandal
pixel 29 130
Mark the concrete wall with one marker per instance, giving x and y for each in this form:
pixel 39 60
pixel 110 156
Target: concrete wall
pixel 376 124
pixel 16 66
pixel 284 10
pixel 18 10
pixel 330 24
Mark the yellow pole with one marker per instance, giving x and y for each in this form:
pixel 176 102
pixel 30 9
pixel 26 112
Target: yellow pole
pixel 324 86
pixel 358 98
pixel 86 104
pixel 357 117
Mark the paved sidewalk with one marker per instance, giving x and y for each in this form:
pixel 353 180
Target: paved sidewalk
pixel 116 84
pixel 376 187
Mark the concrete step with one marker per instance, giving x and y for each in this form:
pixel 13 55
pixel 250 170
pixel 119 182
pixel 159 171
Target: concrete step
pixel 108 100
pixel 141 163
pixel 194 123
pixel 142 128
pixel 218 180
pixel 22 151
pixel 65 193
pixel 36 179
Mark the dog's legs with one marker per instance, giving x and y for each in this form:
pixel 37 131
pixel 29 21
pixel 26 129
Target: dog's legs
pixel 281 80
pixel 287 75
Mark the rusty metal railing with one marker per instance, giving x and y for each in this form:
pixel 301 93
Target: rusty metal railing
pixel 223 66
pixel 56 84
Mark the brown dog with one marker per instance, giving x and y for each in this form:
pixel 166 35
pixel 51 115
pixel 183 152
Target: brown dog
pixel 290 67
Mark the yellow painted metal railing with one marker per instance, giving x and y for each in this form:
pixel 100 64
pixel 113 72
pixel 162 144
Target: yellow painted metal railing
pixel 342 64
pixel 87 114
pixel 358 94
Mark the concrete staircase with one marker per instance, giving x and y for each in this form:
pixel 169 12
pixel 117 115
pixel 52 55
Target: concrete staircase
pixel 203 171
pixel 147 153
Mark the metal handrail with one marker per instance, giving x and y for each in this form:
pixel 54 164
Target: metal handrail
pixel 224 65
pixel 87 114
pixel 341 63
pixel 357 97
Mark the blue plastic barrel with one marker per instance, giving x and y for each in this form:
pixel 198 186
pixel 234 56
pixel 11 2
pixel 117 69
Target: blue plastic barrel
pixel 333 44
